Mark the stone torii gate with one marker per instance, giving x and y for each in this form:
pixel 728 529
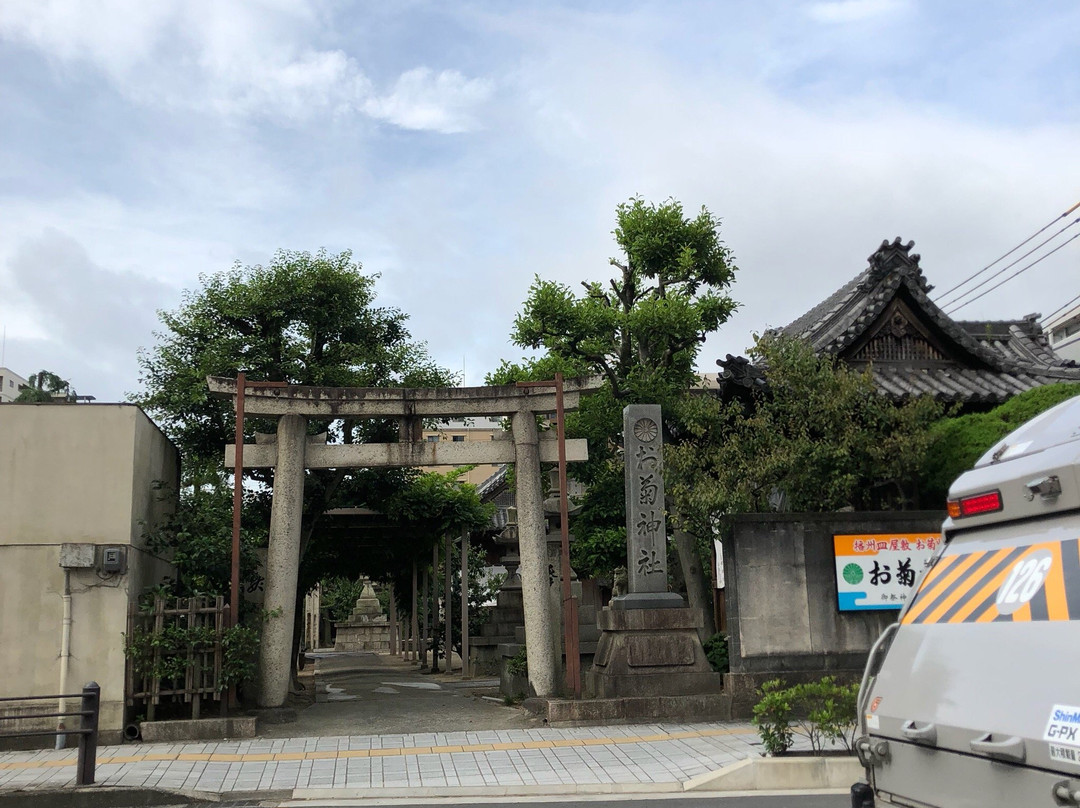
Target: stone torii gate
pixel 291 454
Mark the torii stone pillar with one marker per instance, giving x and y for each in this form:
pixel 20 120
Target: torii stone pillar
pixel 283 560
pixel 532 544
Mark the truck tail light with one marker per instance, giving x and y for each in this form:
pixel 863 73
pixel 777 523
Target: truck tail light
pixel 988 502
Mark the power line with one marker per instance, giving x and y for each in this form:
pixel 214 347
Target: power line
pixel 1010 252
pixel 1052 314
pixel 1008 266
pixel 1018 272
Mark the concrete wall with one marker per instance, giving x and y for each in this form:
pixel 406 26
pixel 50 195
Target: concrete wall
pixel 80 474
pixel 782 614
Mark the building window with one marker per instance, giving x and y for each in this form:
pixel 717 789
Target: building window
pixel 1066 331
pixel 432 438
pixel 458 438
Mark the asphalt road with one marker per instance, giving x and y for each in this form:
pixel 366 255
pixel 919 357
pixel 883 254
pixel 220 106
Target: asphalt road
pixel 639 801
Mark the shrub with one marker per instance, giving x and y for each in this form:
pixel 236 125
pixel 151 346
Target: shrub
pixel 240 646
pixel 518 664
pixel 339 596
pixel 772 715
pixel 177 647
pixel 716 651
pixel 822 711
pixel 956 443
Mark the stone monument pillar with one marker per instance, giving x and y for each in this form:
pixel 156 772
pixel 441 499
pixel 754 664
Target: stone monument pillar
pixel 646 523
pixel 649 644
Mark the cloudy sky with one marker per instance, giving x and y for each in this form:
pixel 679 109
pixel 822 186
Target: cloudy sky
pixel 461 148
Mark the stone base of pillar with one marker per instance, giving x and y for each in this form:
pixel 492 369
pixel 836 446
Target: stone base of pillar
pixel 650 652
pixel 631 709
pixel 374 636
pixel 648 600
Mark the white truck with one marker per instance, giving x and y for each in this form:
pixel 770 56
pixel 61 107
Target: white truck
pixel 972 699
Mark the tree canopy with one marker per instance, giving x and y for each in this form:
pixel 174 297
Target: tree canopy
pixel 45 387
pixel 817 437
pixel 957 442
pixel 307 319
pixel 303 318
pixel 641 331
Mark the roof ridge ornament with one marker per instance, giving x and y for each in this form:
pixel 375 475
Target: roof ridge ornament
pixel 895 256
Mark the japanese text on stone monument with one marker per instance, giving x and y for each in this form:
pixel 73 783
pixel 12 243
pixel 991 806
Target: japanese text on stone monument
pixel 645 522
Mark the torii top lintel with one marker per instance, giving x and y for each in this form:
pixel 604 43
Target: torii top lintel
pixel 274 400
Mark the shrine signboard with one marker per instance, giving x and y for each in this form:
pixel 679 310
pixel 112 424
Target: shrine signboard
pixel 879 570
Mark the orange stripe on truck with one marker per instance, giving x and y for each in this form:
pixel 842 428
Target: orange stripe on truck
pixel 927 596
pixel 964 587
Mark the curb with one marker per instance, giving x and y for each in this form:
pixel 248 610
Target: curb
pixel 780 774
pixel 302 796
pixel 119 797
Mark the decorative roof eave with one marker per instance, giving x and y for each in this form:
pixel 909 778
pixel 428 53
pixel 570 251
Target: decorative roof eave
pixel 496 482
pixel 945 384
pixel 952 385
pixel 839 321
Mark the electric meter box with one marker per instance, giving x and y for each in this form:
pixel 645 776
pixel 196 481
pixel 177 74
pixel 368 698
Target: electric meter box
pixel 113 559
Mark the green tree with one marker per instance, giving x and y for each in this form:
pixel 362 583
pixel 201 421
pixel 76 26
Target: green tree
pixel 45 387
pixel 339 596
pixel 197 537
pixel 303 318
pixel 957 442
pixel 817 437
pixel 641 331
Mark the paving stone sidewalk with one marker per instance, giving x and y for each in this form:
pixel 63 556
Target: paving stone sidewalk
pixel 620 756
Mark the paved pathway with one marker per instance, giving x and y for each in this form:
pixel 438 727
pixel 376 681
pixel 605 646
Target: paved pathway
pixel 609 758
pixel 365 693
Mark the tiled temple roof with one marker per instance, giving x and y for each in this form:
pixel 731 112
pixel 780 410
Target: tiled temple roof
pixel 884 318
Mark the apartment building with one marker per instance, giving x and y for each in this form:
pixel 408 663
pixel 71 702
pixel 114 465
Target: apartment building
pixel 10 384
pixel 476 429
pixel 1064 331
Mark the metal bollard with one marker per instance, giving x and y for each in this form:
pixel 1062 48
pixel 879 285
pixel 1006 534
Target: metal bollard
pixel 862 796
pixel 88 735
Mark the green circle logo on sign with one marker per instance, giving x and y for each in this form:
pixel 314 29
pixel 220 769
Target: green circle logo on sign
pixel 853 574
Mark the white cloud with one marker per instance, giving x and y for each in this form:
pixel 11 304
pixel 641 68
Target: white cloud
pixel 89 319
pixel 423 99
pixel 843 11
pixel 115 36
pixel 233 58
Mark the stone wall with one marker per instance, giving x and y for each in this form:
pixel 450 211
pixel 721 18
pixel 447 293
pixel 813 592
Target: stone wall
pixel 782 614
